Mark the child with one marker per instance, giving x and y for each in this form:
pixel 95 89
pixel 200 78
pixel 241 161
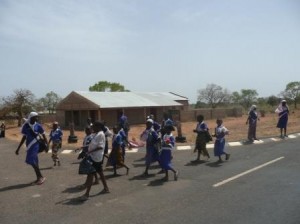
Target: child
pixel 220 132
pixel 56 138
pixel 95 152
pixel 201 130
pixel 165 157
pixel 86 141
pixel 151 138
pixel 115 157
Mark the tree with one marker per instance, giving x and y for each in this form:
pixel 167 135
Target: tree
pixel 292 92
pixel 20 102
pixel 246 97
pixel 50 101
pixel 272 100
pixel 104 86
pixel 236 97
pixel 213 95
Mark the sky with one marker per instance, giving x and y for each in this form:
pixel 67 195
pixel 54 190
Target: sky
pixel 149 45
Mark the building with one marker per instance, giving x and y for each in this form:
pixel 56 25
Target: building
pixel 78 106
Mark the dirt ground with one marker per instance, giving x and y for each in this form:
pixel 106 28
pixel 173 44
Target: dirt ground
pixel 237 127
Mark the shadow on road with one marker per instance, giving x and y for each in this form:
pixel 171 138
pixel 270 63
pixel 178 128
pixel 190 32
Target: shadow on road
pixel 141 177
pixel 15 187
pixel 195 162
pixel 72 201
pixel 157 182
pixel 214 164
pixel 74 189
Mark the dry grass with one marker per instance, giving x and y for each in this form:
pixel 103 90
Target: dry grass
pixel 237 126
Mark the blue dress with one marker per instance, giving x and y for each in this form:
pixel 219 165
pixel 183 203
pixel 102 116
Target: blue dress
pixel 283 118
pixel 165 156
pixel 151 147
pixel 220 140
pixel 31 142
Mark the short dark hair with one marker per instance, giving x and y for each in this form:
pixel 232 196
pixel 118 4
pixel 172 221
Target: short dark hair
pixel 99 124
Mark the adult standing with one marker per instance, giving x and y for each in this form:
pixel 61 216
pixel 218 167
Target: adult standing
pixel 252 122
pixel 2 130
pixel 31 131
pixel 283 116
pixel 201 130
pixel 96 152
pixel 123 123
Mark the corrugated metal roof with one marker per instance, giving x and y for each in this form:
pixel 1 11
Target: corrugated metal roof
pixel 132 99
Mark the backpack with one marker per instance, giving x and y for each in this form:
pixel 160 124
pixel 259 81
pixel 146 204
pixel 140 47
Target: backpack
pixel 208 137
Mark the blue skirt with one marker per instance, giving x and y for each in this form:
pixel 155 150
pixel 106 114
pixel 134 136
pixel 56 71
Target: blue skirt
pixel 32 155
pixel 282 122
pixel 151 155
pixel 165 158
pixel 219 147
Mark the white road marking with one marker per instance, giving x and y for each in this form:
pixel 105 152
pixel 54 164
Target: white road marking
pixel 36 195
pixel 189 147
pixel 276 139
pixel 210 146
pixel 246 172
pixel 185 147
pixel 132 150
pixel 67 151
pixel 258 142
pixel 235 143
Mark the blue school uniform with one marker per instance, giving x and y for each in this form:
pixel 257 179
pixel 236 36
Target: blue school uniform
pixel 165 156
pixel 151 146
pixel 31 142
pixel 220 140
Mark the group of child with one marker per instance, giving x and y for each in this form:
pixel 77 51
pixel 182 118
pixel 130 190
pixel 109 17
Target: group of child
pixel 158 140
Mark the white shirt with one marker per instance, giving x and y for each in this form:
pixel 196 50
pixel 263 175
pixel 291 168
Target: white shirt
pixel 97 142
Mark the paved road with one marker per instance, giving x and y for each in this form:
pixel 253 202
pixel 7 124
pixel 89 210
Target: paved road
pixel 259 184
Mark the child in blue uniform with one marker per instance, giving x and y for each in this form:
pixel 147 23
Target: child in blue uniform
pixel 151 138
pixel 165 157
pixel 56 138
pixel 220 132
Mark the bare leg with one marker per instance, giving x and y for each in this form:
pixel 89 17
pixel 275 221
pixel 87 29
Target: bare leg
pixel 37 171
pixel 89 182
pixel 102 178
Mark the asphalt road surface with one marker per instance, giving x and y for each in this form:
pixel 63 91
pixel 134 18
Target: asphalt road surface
pixel 259 184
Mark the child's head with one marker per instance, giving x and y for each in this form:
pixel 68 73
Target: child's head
pixel 54 125
pixel 200 118
pixel 116 129
pixel 88 130
pixel 169 129
pixel 219 121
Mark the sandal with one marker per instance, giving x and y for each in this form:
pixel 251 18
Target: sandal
pixel 41 181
